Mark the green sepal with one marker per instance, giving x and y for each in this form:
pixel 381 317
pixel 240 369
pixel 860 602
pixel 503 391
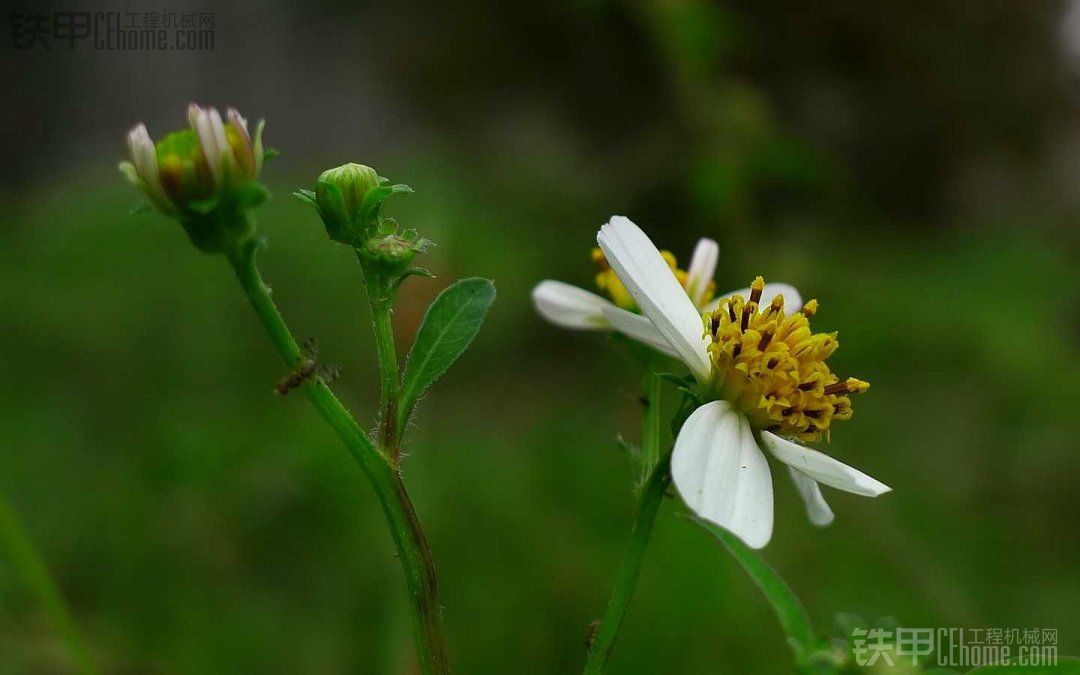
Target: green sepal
pixel 334 214
pixel 680 381
pixel 306 196
pixel 369 208
pixel 202 206
pixel 251 195
pixel 270 153
pixel 417 272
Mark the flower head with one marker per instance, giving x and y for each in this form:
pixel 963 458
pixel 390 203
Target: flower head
pixel 763 376
pixel 190 173
pixel 772 366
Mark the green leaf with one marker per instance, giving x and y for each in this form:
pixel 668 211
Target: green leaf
pixel 790 612
pixel 449 326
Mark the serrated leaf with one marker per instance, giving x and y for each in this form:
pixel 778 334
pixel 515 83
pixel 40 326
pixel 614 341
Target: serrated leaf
pixel 788 608
pixel 449 326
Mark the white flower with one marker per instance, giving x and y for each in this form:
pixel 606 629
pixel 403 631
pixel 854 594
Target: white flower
pixel 575 308
pixel 764 370
pixel 194 164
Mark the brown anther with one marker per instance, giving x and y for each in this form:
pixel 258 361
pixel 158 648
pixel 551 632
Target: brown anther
pixel 731 309
pixel 747 312
pixel 766 338
pixel 777 305
pixel 848 386
pixel 756 289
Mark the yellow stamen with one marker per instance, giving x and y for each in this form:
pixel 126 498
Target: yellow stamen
pixel 773 366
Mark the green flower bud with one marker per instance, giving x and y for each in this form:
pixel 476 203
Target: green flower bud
pixel 349 200
pixel 206 176
pixel 339 197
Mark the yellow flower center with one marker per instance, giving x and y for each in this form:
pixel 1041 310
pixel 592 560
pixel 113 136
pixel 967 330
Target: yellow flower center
pixel 772 366
pixel 608 282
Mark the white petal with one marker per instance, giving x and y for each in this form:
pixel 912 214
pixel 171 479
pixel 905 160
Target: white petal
pixel 217 127
pixel 211 132
pixel 656 291
pixel 792 299
pixel 637 327
pixel 722 474
pixel 193 112
pixel 246 154
pixel 569 306
pixel 822 468
pixel 235 118
pixel 701 271
pixel 144 158
pixel 819 512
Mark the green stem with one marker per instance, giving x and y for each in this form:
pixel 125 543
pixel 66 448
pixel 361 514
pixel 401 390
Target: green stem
pixel 604 643
pixel 650 442
pixel 412 547
pixel 27 560
pixel 381 299
pixel 655 487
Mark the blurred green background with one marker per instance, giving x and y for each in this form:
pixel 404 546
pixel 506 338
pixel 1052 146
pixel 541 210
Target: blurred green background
pixel 911 165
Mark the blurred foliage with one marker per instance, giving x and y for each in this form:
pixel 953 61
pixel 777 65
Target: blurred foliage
pixel 198 524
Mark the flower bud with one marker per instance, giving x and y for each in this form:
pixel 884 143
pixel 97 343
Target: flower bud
pixel 205 176
pixel 339 196
pixel 391 254
pixel 349 200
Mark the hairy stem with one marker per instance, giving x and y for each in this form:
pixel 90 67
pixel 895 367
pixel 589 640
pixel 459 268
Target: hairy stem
pixel 381 300
pixel 29 564
pixel 412 547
